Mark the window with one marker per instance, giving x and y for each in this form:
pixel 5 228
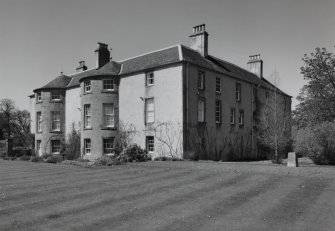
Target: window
pixel 108 109
pixel 55 146
pixel 87 146
pixel 39 121
pixel 38 148
pixel 55 120
pixel 238 92
pixel 254 120
pixel 108 145
pixel 201 80
pixel 87 116
pixel 55 96
pixel 150 143
pixel 254 94
pixel 149 110
pixel 232 116
pixel 149 79
pixel 108 84
pixel 39 97
pixel 218 85
pixel 218 111
pixel 240 118
pixel 201 110
pixel 87 86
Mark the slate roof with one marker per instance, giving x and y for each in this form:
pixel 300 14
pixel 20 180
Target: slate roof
pixel 170 55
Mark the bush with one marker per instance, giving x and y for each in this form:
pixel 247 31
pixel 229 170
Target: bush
pixel 318 143
pixel 135 153
pixel 54 159
pixel 164 158
pixel 35 159
pixel 108 161
pixel 25 158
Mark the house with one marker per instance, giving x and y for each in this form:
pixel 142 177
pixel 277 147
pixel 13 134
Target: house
pixel 177 101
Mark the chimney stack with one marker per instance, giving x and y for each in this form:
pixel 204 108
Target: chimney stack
pixel 255 65
pixel 81 66
pixel 102 55
pixel 199 39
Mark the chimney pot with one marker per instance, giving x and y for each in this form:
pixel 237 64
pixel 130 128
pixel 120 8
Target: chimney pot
pixel 199 40
pixel 102 55
pixel 255 65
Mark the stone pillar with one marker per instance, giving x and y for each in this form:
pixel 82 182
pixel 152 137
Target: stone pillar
pixel 292 160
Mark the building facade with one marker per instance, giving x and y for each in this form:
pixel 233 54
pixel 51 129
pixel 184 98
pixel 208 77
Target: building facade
pixel 178 101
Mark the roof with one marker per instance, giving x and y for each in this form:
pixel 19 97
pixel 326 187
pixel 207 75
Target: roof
pixel 162 57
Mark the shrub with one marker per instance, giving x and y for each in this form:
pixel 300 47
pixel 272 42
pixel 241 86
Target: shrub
pixel 135 153
pixel 25 158
pixel 164 158
pixel 54 159
pixel 35 159
pixel 108 161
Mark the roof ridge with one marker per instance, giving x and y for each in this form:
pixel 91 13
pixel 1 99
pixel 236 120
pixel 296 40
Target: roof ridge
pixel 137 56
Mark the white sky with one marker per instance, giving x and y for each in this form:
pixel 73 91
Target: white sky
pixel 41 38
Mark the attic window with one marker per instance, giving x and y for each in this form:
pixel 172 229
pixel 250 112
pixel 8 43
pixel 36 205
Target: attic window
pixel 55 96
pixel 39 97
pixel 87 86
pixel 108 84
pixel 149 79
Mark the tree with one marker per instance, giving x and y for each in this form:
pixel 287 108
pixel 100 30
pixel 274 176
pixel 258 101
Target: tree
pixel 317 97
pixel 73 144
pixel 274 122
pixel 7 118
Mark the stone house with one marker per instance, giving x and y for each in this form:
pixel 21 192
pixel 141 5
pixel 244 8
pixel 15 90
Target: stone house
pixel 177 101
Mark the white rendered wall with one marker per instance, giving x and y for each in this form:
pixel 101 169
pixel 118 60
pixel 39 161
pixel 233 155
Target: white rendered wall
pixel 72 110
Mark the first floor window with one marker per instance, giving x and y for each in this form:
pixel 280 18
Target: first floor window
pixel 108 109
pixel 238 92
pixel 150 143
pixel 149 110
pixel 55 120
pixel 55 96
pixel 39 97
pixel 218 111
pixel 232 116
pixel 55 146
pixel 201 110
pixel 108 145
pixel 108 84
pixel 87 146
pixel 240 118
pixel 87 116
pixel 149 79
pixel 87 86
pixel 218 85
pixel 39 121
pixel 201 80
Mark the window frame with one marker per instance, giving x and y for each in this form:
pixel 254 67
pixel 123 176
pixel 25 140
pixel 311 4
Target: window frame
pixel 238 92
pixel 58 147
pixel 106 116
pixel 54 94
pixel 203 112
pixel 232 115
pixel 149 79
pixel 218 112
pixel 87 146
pixel 201 80
pixel 110 147
pixel 87 86
pixel 39 97
pixel 55 118
pixel 150 143
pixel 241 118
pixel 218 85
pixel 147 111
pixel 105 85
pixel 39 121
pixel 87 116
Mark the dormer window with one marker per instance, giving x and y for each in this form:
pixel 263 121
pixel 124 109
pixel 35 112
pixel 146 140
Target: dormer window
pixel 150 79
pixel 108 85
pixel 55 96
pixel 87 86
pixel 38 97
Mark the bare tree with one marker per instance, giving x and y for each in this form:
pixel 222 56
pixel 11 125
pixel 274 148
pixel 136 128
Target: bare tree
pixel 124 136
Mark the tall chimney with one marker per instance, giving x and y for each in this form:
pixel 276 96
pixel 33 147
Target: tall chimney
pixel 255 65
pixel 199 40
pixel 81 66
pixel 102 55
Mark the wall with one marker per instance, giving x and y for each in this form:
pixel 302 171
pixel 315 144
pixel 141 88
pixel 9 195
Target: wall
pixel 32 101
pixel 167 93
pixel 72 110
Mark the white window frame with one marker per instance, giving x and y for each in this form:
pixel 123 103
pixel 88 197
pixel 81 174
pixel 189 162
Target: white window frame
pixel 39 97
pixel 108 115
pixel 108 86
pixel 87 146
pixel 150 79
pixel 108 147
pixel 241 118
pixel 201 80
pixel 87 86
pixel 238 92
pixel 149 111
pixel 38 121
pixel 218 111
pixel 55 147
pixel 150 143
pixel 55 121
pixel 232 115
pixel 39 147
pixel 55 96
pixel 218 85
pixel 201 109
pixel 87 116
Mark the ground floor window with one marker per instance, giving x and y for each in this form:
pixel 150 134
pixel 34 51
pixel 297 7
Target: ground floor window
pixel 150 143
pixel 108 145
pixel 38 148
pixel 87 146
pixel 55 146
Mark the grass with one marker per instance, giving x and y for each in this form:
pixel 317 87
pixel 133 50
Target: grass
pixel 166 196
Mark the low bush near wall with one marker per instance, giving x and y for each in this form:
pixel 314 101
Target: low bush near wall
pixel 135 153
pixel 108 161
pixel 54 159
pixel 164 158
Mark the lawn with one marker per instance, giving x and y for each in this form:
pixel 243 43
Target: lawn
pixel 166 196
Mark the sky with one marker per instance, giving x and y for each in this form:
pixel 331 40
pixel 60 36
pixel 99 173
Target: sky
pixel 41 38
